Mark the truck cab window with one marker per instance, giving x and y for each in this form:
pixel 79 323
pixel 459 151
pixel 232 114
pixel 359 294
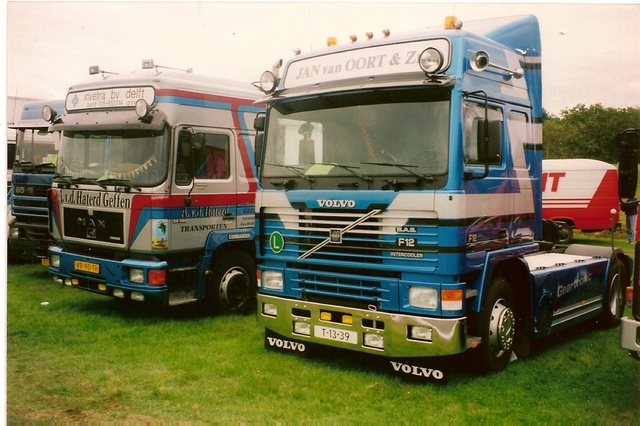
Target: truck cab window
pixel 214 158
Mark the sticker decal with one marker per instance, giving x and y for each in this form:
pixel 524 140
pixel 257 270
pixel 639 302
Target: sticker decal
pixel 159 239
pixel 276 242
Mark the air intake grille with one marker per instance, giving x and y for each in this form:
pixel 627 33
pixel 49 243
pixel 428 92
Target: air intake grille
pixel 102 226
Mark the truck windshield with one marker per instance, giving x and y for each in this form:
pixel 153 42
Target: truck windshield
pixel 138 157
pixel 35 147
pixel 377 133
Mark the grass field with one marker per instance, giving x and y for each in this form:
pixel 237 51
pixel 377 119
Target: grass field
pixel 78 357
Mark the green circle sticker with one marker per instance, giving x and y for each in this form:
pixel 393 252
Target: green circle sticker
pixel 276 242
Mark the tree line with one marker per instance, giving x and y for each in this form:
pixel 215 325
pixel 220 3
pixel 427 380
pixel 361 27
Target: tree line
pixel 586 132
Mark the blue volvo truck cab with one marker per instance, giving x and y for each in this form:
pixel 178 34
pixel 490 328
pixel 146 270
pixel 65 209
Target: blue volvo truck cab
pixel 399 211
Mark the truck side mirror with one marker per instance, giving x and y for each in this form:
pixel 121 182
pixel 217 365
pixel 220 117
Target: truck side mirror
pixel 493 153
pixel 191 146
pixel 258 148
pixel 628 142
pixel 259 122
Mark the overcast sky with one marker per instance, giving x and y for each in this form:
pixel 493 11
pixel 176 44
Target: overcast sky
pixel 590 51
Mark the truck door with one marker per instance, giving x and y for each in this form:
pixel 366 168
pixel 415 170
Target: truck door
pixel 204 186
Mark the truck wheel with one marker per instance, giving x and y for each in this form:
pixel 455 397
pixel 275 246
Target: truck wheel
pixel 614 299
pixel 232 285
pixel 496 326
pixel 565 233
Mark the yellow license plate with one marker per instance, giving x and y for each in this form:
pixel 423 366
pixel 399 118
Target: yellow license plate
pixel 94 268
pixel 45 261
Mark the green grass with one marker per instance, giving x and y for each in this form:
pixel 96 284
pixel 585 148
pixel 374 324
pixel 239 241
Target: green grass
pixel 78 357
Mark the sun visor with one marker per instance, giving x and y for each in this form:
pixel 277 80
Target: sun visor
pixel 109 120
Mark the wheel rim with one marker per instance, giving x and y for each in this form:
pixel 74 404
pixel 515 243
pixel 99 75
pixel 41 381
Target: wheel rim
pixel 501 328
pixel 234 287
pixel 615 297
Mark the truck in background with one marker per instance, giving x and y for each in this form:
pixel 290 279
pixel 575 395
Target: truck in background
pixel 34 163
pixel 580 194
pixel 153 198
pixel 399 212
pixel 629 142
pixel 11 154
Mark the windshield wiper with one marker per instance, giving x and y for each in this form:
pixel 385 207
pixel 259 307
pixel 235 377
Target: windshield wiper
pixel 349 169
pixel 405 167
pixel 104 181
pixel 64 180
pixel 295 170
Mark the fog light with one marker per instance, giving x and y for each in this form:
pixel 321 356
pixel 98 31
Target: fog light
pixel 54 260
pixel 136 295
pixel 101 287
pixel 67 281
pixel 270 309
pixel 302 328
pixel 118 292
pixel 58 280
pixel 272 280
pixel 136 275
pixel 347 319
pixel 325 316
pixel 374 340
pixel 421 333
pixel 74 281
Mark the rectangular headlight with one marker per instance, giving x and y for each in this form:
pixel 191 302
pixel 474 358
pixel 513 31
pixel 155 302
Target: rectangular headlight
pixel 272 280
pixel 136 275
pixel 54 260
pixel 14 232
pixel 270 309
pixel 421 333
pixel 303 328
pixel 423 297
pixel 374 340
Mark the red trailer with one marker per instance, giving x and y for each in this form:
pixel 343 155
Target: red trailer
pixel 579 193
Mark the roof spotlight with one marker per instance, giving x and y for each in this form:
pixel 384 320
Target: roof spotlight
pixel 430 60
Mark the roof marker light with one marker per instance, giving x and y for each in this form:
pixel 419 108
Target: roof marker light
pixel 386 32
pixel 369 35
pixel 95 69
pixel 452 23
pixel 353 38
pixel 332 41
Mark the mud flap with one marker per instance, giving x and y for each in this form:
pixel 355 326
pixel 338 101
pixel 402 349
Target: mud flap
pixel 278 343
pixel 434 370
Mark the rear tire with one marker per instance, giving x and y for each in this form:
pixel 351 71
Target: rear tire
pixel 614 298
pixel 231 288
pixel 496 327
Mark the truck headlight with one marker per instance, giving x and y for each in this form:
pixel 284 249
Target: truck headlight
pixel 14 232
pixel 272 280
pixel 54 260
pixel 423 297
pixel 136 275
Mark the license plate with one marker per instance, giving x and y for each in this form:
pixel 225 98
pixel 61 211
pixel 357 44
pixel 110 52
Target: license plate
pixel 94 268
pixel 336 334
pixel 44 261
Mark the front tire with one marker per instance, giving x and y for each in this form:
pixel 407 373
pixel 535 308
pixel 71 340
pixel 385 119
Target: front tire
pixel 496 327
pixel 231 288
